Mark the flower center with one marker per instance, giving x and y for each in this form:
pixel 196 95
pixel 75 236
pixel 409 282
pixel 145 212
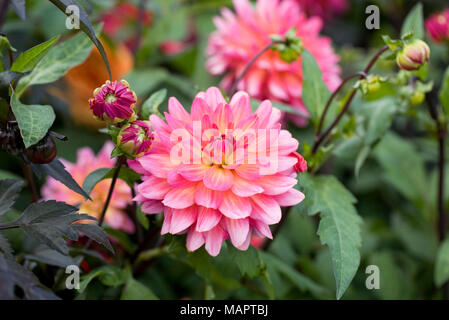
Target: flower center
pixel 110 98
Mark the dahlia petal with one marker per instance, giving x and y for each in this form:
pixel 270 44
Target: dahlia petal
pixel 248 171
pixel 261 229
pixel 162 130
pixel 179 198
pixel 193 172
pixel 194 240
pixel 218 178
pixel 245 188
pixel 276 184
pixel 214 240
pixel 240 106
pixel 199 109
pixel 182 219
pixel 167 220
pixel 154 188
pixel 158 164
pixel 207 197
pixel 245 244
pixel 235 207
pixel 266 209
pixel 152 207
pixel 207 219
pixel 290 198
pixel 214 97
pixel 177 111
pixel 238 230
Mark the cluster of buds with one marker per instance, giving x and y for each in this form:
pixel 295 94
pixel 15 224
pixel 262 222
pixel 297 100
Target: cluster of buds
pixel 371 84
pixel 290 47
pixel 437 26
pixel 114 103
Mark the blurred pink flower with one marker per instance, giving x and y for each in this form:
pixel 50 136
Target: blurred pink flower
pixel 241 35
pixel 326 9
pixel 86 163
pixel 115 19
pixel 113 102
pixel 214 192
pixel 438 26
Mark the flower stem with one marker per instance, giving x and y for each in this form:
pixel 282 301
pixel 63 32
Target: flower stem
pixel 29 178
pixel 361 75
pixel 118 165
pixel 442 218
pixel 249 65
pixel 319 139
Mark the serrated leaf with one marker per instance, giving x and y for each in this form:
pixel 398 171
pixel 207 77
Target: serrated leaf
pixel 57 170
pixel 414 23
pixel 125 174
pixel 339 226
pixel 51 257
pixel 441 274
pixel 151 105
pixel 5 247
pixel 314 91
pixel 13 274
pixel 9 191
pixel 29 59
pixel 85 25
pixel 248 261
pixel 96 233
pixel 135 290
pixel 57 62
pixel 444 92
pixel 34 120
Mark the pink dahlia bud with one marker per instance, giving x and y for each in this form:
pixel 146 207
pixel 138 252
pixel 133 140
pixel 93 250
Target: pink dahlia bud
pixel 438 26
pixel 301 165
pixel 113 102
pixel 135 139
pixel 413 55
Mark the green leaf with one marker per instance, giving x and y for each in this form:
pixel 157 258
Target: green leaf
pixel 444 92
pixel 248 262
pixel 442 264
pixel 151 105
pixel 48 222
pixel 85 25
pixel 142 218
pixel 414 23
pixel 29 59
pixel 380 120
pixel 57 62
pixel 399 159
pixel 5 247
pixel 314 91
pixel 125 174
pixel 9 191
pixel 135 290
pixel 57 170
pixel 339 225
pixel 302 282
pixel 34 120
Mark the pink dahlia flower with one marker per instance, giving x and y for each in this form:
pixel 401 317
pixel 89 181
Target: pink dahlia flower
pixel 219 172
pixel 86 163
pixel 438 26
pixel 241 35
pixel 325 9
pixel 113 102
